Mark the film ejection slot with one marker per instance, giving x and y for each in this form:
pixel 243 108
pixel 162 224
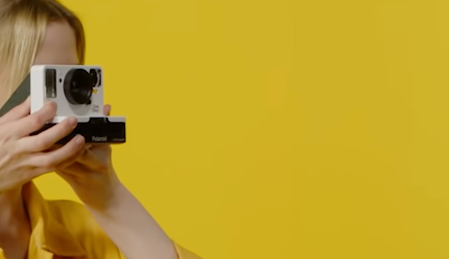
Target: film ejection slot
pixel 99 120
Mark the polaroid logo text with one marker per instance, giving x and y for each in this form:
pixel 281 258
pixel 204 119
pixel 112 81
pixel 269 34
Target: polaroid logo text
pixel 99 139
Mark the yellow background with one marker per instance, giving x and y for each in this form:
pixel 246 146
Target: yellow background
pixel 281 129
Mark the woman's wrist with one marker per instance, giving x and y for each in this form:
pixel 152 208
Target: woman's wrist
pixel 110 201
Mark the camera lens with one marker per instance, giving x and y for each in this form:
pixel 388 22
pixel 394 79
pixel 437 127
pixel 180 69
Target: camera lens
pixel 78 85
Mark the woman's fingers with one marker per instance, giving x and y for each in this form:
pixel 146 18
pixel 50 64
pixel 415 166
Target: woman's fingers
pixel 46 139
pixel 17 112
pixel 33 122
pixel 56 157
pixel 107 110
pixel 72 160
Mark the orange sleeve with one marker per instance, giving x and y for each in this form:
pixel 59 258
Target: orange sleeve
pixel 184 253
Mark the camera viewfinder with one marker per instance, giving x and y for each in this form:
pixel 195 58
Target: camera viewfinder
pixel 50 83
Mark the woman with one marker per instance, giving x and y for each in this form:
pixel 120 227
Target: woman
pixel 112 223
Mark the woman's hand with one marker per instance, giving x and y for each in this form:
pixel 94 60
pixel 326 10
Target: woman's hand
pixel 91 175
pixel 24 157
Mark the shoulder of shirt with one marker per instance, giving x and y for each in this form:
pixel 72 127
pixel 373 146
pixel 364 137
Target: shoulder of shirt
pixel 71 214
pixel 75 217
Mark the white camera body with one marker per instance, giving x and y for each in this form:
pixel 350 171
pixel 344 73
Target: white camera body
pixel 78 91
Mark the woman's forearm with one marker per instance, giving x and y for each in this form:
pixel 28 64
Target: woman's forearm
pixel 133 229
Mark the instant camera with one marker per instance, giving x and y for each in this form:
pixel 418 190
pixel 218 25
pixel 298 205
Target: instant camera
pixel 78 91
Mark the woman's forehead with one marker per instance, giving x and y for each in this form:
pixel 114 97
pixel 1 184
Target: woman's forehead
pixel 58 46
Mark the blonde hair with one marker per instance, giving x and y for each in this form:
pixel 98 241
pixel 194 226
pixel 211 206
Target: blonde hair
pixel 23 25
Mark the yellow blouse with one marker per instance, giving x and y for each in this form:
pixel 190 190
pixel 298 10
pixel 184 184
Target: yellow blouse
pixel 66 229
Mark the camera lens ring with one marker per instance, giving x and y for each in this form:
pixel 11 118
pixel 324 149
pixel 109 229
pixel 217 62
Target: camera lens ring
pixel 78 86
pixel 95 77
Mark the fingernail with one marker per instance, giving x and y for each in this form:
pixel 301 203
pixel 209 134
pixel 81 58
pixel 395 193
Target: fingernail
pixel 79 140
pixel 72 121
pixel 53 105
